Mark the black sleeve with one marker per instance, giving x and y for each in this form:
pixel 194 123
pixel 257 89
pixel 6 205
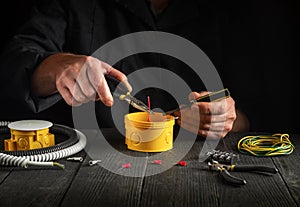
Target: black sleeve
pixel 42 35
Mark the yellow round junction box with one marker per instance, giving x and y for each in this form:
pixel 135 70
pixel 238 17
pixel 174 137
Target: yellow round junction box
pixel 149 132
pixel 28 135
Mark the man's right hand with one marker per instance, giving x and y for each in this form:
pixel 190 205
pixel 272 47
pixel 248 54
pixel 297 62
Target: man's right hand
pixel 78 78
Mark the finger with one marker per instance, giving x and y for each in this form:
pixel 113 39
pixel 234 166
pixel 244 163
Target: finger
pixel 206 132
pixel 67 96
pixel 95 74
pixel 85 86
pixel 73 88
pixel 193 115
pixel 121 77
pixel 202 132
pixel 204 124
pixel 64 85
pixel 207 118
pixel 221 114
pixel 78 94
pixel 97 98
pixel 191 128
pixel 104 93
pixel 212 108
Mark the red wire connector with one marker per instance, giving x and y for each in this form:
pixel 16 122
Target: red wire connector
pixel 148 108
pixel 126 165
pixel 182 163
pixel 158 162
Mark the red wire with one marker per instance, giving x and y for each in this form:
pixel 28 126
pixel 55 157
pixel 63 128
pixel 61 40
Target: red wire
pixel 148 107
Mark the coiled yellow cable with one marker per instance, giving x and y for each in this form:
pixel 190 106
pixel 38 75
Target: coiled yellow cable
pixel 266 145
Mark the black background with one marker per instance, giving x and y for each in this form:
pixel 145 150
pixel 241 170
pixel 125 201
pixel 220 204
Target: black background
pixel 261 36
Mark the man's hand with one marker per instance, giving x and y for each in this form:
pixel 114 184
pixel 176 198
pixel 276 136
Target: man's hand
pixel 78 78
pixel 208 119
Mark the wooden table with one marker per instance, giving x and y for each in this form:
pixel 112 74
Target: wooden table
pixel 82 185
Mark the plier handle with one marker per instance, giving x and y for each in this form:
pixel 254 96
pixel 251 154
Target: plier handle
pixel 224 171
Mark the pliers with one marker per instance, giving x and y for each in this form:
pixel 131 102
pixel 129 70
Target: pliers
pixel 223 169
pixel 121 91
pixel 136 103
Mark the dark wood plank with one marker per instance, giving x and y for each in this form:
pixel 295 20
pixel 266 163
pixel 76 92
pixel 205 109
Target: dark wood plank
pixel 4 170
pixel 98 186
pixel 37 186
pixel 193 186
pixel 181 186
pixel 288 166
pixel 261 189
pixel 190 185
pixel 4 173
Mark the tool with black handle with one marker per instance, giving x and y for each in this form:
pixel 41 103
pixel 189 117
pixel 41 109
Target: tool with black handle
pixel 120 91
pixel 210 97
pixel 224 171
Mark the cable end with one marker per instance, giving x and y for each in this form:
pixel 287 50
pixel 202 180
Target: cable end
pixel 122 97
pixel 59 165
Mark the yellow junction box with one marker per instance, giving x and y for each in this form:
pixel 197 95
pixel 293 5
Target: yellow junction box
pixel 29 139
pixel 145 136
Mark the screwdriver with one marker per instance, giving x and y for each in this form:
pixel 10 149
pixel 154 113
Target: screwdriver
pixel 213 96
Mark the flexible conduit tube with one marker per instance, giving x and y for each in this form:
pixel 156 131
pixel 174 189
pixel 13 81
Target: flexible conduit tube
pixel 43 159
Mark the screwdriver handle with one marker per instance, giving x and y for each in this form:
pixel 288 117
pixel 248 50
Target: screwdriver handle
pixel 210 97
pixel 213 96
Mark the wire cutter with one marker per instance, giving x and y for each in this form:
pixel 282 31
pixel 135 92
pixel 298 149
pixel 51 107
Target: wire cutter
pixel 121 91
pixel 136 103
pixel 223 169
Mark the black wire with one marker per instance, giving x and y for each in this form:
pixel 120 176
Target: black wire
pixel 68 135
